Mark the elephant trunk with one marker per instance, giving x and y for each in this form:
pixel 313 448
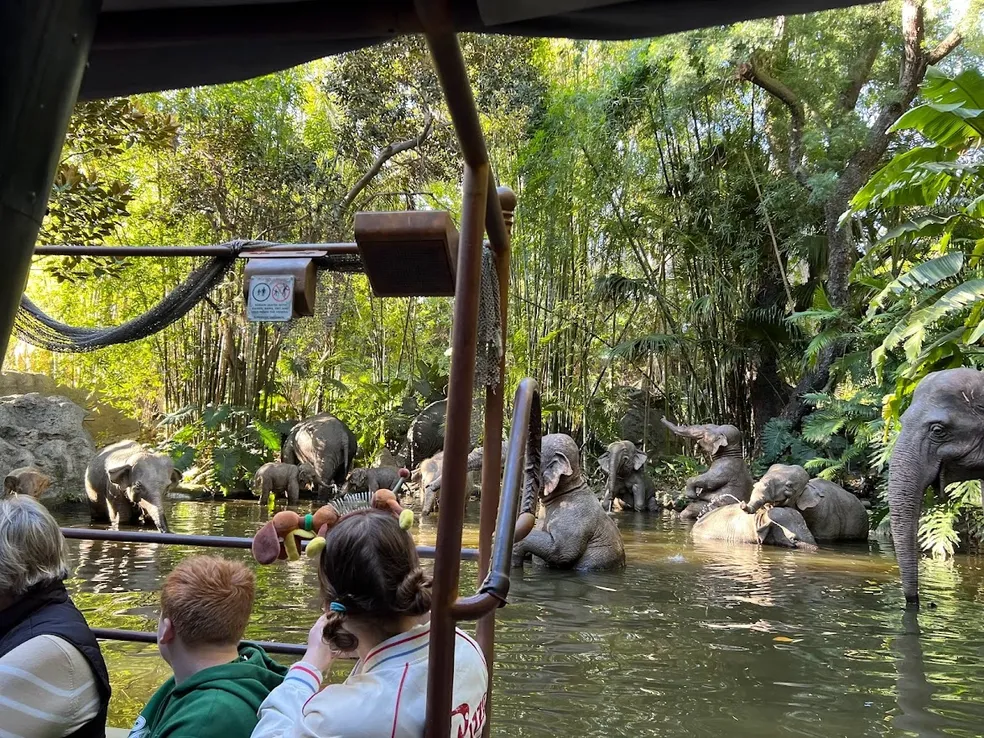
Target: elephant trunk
pixel 753 505
pixel 684 431
pixel 156 514
pixel 430 497
pixel 907 481
pixel 638 495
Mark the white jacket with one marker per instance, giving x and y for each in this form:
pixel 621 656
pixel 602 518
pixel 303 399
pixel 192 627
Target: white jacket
pixel 385 696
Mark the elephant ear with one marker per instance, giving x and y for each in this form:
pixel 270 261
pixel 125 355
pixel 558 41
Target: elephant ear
pixel 176 476
pixel 120 475
pixel 559 466
pixel 715 442
pixel 809 497
pixel 604 460
pixel 763 523
pixel 638 460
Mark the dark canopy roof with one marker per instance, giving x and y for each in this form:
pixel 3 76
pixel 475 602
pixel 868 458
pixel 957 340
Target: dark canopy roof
pixel 146 45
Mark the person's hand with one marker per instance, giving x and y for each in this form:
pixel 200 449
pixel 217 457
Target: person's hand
pixel 319 654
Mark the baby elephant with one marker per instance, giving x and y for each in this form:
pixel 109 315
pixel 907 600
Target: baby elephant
pixel 832 513
pixel 771 526
pixel 367 481
pixel 280 478
pixel 27 480
pixel 627 479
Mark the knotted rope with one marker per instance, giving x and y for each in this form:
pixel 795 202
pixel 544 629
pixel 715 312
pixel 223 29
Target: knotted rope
pixel 488 354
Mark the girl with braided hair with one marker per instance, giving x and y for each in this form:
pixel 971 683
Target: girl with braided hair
pixel 376 605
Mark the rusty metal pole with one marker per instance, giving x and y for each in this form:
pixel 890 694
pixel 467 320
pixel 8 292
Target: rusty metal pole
pixel 492 457
pixel 44 45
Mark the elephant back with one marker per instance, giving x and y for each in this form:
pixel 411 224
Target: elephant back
pixel 326 443
pixel 426 434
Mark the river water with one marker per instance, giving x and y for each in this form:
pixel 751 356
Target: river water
pixel 690 640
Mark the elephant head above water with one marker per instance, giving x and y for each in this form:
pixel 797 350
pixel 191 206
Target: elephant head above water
pixel 575 533
pixel 831 512
pixel 624 464
pixel 727 480
pixel 941 441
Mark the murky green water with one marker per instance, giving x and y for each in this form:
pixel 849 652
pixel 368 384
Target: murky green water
pixel 688 641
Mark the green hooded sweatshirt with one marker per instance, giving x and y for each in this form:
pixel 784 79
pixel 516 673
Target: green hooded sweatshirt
pixel 217 702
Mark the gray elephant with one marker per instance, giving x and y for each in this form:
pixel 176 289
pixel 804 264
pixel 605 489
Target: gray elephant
pixel 941 442
pixel 366 481
pixel 327 444
pixel 625 466
pixel 429 476
pixel 278 478
pixel 126 483
pixel 770 526
pixel 831 512
pixel 727 480
pixel 27 480
pixel 575 532
pixel 426 434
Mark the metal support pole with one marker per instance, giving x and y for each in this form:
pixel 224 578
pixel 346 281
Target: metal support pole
pixel 492 457
pixel 447 563
pixel 44 45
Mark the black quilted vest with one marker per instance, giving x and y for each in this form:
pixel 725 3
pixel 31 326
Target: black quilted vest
pixel 47 610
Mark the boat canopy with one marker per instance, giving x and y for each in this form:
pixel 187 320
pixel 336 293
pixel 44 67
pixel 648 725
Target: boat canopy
pixel 150 45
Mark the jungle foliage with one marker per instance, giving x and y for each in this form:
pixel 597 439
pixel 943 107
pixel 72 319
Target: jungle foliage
pixel 775 224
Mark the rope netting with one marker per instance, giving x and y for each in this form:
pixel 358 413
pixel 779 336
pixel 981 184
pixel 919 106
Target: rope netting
pixel 488 354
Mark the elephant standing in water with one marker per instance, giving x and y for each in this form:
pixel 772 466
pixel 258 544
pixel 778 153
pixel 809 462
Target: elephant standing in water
pixel 367 481
pixel 277 478
pixel 575 532
pixel 430 471
pixel 727 480
pixel 327 444
pixel 941 442
pixel 125 483
pixel 627 479
pixel 831 512
pixel 773 526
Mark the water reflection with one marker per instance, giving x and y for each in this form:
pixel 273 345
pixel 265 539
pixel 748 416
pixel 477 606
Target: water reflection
pixel 690 640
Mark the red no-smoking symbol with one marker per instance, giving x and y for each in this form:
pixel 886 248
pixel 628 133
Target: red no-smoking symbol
pixel 281 292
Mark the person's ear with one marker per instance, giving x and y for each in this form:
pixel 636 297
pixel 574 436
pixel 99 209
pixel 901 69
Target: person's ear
pixel 165 631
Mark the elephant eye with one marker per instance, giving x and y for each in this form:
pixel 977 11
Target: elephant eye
pixel 937 430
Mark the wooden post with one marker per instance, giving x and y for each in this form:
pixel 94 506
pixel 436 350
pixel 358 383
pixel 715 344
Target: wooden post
pixel 492 456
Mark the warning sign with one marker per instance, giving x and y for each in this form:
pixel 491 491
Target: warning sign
pixel 271 298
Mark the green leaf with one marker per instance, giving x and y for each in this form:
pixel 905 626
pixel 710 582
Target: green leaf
pixel 268 434
pixel 945 124
pixel 925 274
pixel 818 427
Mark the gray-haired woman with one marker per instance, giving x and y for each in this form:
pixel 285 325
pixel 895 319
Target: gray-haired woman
pixel 52 676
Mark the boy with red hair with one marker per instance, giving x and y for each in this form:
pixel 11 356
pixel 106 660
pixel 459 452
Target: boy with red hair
pixel 218 684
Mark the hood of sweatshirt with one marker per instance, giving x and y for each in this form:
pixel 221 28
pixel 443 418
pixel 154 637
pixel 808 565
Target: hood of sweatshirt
pixel 250 677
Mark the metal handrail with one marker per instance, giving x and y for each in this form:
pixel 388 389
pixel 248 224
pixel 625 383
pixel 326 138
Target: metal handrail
pixel 334 249
pixel 524 446
pixel 138 636
pixel 144 536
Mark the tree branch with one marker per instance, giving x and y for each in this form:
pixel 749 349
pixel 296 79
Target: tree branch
pixel 751 71
pixel 862 69
pixel 384 156
pixel 945 47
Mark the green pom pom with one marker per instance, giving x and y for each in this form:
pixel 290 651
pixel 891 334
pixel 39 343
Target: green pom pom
pixel 309 522
pixel 315 547
pixel 406 519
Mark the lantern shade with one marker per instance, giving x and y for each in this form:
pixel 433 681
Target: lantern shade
pixel 408 254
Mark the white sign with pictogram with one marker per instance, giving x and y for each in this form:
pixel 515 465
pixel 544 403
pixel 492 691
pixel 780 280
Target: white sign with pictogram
pixel 271 298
